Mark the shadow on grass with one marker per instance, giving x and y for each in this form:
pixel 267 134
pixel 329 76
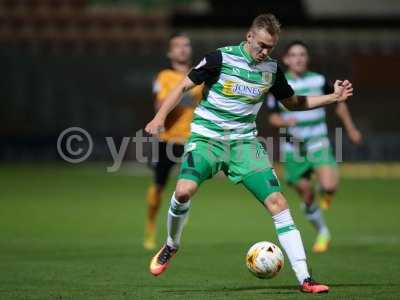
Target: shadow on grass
pixel 364 284
pixel 284 289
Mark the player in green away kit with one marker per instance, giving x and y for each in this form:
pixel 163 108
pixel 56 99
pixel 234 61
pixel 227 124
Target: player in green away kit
pixel 224 137
pixel 307 149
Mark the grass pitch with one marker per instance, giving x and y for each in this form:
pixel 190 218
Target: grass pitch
pixel 76 233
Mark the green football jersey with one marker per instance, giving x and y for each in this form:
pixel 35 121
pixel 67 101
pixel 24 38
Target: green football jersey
pixel 236 88
pixel 311 128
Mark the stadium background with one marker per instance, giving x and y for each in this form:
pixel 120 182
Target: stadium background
pixel 56 54
pixel 75 231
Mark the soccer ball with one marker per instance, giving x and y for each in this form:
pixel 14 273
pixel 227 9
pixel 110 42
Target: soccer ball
pixel 264 260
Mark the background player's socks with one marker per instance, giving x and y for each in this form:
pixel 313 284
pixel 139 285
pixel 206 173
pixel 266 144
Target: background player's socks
pixel 290 239
pixel 314 215
pixel 177 214
pixel 153 204
pixel 325 199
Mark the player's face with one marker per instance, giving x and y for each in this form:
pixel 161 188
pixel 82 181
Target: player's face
pixel 261 43
pixel 180 50
pixel 297 59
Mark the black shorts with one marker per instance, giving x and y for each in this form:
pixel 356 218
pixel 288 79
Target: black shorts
pixel 162 167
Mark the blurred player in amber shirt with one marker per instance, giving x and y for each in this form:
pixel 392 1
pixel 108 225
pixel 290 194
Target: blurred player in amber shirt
pixel 177 125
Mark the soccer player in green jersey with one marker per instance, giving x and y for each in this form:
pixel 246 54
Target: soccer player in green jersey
pixel 224 137
pixel 307 149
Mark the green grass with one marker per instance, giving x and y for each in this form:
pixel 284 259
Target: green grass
pixel 76 233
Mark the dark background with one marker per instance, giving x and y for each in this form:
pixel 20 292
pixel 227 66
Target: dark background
pixel 91 64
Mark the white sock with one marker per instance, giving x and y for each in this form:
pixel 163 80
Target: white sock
pixel 177 214
pixel 314 215
pixel 290 239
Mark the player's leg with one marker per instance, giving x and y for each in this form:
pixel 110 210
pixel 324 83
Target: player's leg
pixel 314 214
pixel 260 179
pixel 290 240
pixel 154 194
pixel 153 203
pixel 162 169
pixel 194 170
pixel 263 186
pixel 325 168
pixel 298 171
pixel 178 211
pixel 288 235
pixel 305 190
pixel 328 180
pixel 177 214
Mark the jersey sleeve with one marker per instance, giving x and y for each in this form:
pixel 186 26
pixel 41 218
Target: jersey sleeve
pixel 208 69
pixel 281 88
pixel 160 89
pixel 272 104
pixel 156 87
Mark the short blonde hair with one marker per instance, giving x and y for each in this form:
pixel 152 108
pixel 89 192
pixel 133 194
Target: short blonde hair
pixel 267 22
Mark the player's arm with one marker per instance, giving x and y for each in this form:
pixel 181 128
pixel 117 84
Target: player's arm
pixel 161 89
pixel 206 71
pixel 170 102
pixel 342 91
pixel 282 90
pixel 344 115
pixel 157 104
pixel 157 90
pixel 275 118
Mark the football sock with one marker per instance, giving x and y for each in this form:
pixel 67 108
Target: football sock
pixel 325 198
pixel 177 214
pixel 314 215
pixel 290 239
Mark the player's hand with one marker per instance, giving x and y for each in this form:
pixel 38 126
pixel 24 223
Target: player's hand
pixel 342 90
pixel 155 126
pixel 355 136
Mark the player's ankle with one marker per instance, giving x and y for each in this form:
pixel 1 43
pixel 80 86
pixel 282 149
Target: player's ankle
pixel 324 231
pixel 171 244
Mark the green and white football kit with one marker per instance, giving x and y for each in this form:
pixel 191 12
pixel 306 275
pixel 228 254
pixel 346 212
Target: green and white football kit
pixel 224 137
pixel 307 145
pixel 223 128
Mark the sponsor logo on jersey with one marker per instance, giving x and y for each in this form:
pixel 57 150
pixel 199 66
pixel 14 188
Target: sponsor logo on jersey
pixel 232 88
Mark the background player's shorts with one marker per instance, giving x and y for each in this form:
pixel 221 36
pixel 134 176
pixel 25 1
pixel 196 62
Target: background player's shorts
pixel 243 161
pixel 298 166
pixel 163 165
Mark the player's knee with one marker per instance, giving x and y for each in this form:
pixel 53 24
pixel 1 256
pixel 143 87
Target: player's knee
pixel 329 188
pixel 329 183
pixel 276 203
pixel 184 190
pixel 182 194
